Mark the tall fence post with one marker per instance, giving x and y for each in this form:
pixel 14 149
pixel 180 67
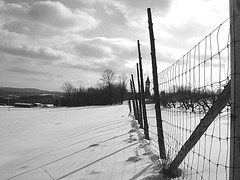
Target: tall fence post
pixel 136 102
pixel 139 98
pixel 145 122
pixel 155 88
pixel 235 90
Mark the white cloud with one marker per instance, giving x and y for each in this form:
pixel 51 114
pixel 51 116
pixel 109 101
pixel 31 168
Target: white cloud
pixel 57 15
pixel 24 51
pixel 82 38
pixel 98 54
pixel 45 18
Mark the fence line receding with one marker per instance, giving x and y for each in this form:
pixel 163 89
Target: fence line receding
pixel 188 90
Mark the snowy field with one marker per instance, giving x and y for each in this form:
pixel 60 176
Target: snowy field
pixel 71 143
pixel 94 143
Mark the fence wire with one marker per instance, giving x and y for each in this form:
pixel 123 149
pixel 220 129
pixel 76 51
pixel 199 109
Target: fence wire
pixel 188 89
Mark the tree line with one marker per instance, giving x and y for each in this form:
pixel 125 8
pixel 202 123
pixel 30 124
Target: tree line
pixel 111 90
pixel 194 100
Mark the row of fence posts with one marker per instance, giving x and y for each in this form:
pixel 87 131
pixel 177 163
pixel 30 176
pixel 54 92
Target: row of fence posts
pixel 139 107
pixel 137 100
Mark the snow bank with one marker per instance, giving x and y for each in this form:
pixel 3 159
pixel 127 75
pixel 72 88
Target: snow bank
pixel 158 164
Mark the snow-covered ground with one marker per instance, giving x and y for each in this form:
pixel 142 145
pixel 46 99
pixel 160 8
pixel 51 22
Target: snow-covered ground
pixel 209 158
pixel 71 143
pixel 95 143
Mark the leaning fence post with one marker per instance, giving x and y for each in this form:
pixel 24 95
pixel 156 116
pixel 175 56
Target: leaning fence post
pixel 235 90
pixel 145 122
pixel 201 128
pixel 155 88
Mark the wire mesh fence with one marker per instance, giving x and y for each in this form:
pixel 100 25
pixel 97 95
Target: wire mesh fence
pixel 188 89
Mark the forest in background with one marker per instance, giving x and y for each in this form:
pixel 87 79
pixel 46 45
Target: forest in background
pixel 112 89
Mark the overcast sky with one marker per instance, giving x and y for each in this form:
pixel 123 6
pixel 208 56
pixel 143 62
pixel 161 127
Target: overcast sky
pixel 46 43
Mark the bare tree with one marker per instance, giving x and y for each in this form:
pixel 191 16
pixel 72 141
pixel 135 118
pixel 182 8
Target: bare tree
pixel 122 80
pixel 69 89
pixel 108 77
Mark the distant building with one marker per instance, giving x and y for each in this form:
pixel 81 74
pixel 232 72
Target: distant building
pixel 23 105
pixel 147 87
pixel 38 105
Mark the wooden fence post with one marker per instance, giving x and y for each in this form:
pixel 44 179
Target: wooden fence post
pixel 133 101
pixel 139 98
pixel 129 105
pixel 145 122
pixel 136 102
pixel 155 88
pixel 235 90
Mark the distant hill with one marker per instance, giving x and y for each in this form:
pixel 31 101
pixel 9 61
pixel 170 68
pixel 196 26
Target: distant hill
pixel 5 91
